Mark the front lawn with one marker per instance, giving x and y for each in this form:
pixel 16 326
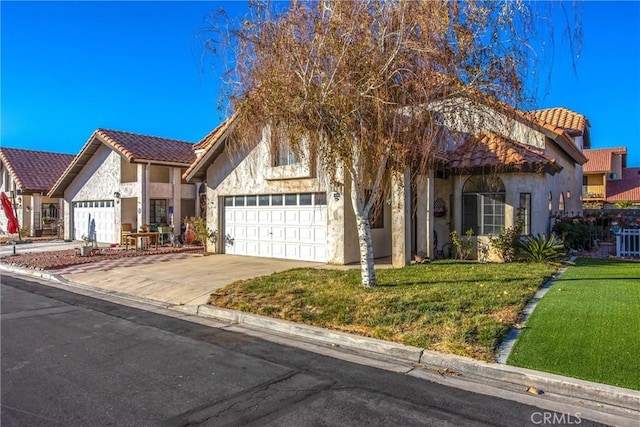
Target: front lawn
pixel 457 307
pixel 587 326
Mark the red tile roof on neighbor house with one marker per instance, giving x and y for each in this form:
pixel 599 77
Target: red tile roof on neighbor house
pixel 495 152
pixel 34 171
pixel 137 147
pixel 600 159
pixel 571 121
pixel 626 188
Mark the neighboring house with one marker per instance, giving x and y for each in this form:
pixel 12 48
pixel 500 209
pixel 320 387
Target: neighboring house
pixel 265 202
pixel 27 176
pixel 607 180
pixel 125 178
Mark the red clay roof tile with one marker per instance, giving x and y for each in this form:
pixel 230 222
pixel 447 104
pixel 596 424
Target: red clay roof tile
pixel 563 118
pixel 152 148
pixel 496 152
pixel 34 171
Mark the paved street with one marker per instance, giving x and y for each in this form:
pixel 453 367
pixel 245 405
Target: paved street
pixel 73 360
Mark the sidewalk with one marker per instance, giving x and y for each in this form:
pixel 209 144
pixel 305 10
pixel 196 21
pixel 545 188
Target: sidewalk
pixel 183 286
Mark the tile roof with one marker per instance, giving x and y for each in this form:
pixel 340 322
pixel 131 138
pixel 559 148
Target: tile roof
pixel 209 144
pixel 600 159
pixel 626 188
pixel 137 147
pixel 573 122
pixel 34 171
pixel 498 153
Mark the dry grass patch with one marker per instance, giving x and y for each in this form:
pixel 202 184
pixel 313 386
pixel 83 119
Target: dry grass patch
pixel 458 307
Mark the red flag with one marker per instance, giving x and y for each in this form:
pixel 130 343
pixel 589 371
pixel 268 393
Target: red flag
pixel 12 224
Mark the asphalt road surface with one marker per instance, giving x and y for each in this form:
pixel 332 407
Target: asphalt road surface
pixel 73 360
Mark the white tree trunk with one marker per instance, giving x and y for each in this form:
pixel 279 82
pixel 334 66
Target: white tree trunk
pixel 362 211
pixel 368 272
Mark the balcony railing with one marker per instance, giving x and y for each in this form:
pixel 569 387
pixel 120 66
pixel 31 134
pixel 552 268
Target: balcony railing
pixel 593 191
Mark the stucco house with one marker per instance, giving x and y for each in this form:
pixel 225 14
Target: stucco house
pixel 27 176
pixel 124 178
pixel 266 202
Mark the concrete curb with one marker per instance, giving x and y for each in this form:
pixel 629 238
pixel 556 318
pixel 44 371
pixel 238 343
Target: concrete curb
pixel 397 351
pixel 549 383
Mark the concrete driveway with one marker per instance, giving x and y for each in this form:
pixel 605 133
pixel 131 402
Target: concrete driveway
pixel 186 281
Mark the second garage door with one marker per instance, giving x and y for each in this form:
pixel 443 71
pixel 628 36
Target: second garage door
pixel 290 226
pixel 102 213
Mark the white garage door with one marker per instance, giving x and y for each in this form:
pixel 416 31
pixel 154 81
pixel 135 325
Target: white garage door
pixel 290 226
pixel 102 211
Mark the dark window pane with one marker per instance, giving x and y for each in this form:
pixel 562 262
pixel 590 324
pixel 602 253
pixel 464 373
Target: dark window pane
pixel 239 200
pixel 263 200
pixel 291 199
pixel 251 200
pixel 276 199
pixel 228 201
pixel 305 199
pixel 321 198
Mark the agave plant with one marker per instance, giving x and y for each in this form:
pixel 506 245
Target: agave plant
pixel 543 249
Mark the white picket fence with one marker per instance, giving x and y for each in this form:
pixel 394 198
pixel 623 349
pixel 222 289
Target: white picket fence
pixel 628 242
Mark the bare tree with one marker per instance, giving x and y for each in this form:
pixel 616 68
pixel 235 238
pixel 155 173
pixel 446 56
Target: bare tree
pixel 365 83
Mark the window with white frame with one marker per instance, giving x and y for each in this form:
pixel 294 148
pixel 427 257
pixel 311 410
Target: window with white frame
pixel 524 213
pixel 483 205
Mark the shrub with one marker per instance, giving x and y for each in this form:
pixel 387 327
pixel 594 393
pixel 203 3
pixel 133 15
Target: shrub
pixel 506 243
pixel 574 231
pixel 464 245
pixel 202 233
pixel 543 249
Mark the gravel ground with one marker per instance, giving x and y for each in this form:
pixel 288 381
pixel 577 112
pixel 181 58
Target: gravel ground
pixel 58 259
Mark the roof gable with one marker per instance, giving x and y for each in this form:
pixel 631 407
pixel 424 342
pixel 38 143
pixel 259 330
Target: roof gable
pixel 34 171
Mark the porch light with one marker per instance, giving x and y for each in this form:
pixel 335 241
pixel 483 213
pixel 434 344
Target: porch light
pixel 116 195
pixel 568 194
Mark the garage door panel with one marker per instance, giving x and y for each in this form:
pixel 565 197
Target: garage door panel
pixel 277 216
pixel 306 234
pixel 277 233
pixel 252 232
pixel 291 234
pixel 291 217
pixel 264 216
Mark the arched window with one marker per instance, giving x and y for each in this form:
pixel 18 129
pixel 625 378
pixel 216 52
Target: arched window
pixel 483 205
pixel 561 204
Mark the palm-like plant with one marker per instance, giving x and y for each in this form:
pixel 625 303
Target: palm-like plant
pixel 624 204
pixel 543 249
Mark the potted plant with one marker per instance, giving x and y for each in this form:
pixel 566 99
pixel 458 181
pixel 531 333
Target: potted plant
pixel 85 250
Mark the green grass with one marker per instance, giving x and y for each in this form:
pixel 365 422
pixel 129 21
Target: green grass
pixel 587 326
pixel 458 307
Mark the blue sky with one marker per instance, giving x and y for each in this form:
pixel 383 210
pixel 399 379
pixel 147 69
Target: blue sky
pixel 68 68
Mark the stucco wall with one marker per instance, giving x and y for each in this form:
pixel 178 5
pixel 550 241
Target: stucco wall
pixel 98 179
